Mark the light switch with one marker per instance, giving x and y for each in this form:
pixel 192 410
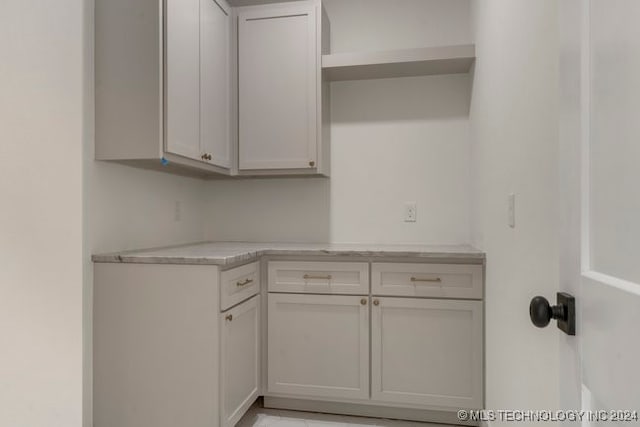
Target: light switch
pixel 177 211
pixel 511 210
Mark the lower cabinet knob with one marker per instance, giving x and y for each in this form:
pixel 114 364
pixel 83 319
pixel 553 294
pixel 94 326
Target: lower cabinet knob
pixel 363 301
pixel 229 317
pixel 376 302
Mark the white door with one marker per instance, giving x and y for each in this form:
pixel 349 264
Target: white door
pixel 600 168
pixel 182 80
pixel 427 352
pixel 215 84
pixel 240 367
pixel 277 79
pixel 318 346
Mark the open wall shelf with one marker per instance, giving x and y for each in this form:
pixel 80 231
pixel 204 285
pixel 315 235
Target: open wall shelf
pixel 399 63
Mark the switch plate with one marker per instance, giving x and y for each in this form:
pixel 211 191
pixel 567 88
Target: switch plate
pixel 177 212
pixel 511 210
pixel 410 212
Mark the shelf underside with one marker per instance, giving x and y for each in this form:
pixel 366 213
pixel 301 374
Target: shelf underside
pixel 398 63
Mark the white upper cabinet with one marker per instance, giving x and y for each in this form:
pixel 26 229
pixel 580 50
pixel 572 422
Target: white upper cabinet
pixel 215 82
pixel 195 87
pixel 164 85
pixel 280 87
pixel 198 85
pixel 182 82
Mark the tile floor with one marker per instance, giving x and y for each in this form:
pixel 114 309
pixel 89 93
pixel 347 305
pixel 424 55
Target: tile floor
pixel 262 417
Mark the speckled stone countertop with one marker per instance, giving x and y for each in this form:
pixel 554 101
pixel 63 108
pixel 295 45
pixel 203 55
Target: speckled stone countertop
pixel 228 253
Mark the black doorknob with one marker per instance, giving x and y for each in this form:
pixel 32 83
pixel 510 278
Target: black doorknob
pixel 541 312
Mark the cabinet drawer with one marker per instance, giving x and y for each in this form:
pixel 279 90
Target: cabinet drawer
pixel 319 277
pixel 427 280
pixel 238 284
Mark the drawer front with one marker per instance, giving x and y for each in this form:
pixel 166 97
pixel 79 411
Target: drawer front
pixel 319 277
pixel 427 280
pixel 238 284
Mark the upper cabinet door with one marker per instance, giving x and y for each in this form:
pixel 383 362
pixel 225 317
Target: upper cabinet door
pixel 278 62
pixel 215 83
pixel 182 80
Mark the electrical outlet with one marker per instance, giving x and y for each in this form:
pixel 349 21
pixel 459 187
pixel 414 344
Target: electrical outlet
pixel 410 212
pixel 177 212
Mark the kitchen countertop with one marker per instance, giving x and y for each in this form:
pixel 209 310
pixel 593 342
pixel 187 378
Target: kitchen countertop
pixel 228 253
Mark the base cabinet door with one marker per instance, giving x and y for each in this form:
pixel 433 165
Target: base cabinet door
pixel 427 352
pixel 240 362
pixel 318 346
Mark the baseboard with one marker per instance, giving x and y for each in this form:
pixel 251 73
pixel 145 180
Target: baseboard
pixel 373 411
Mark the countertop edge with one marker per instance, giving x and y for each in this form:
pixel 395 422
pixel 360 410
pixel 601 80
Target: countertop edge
pixel 250 256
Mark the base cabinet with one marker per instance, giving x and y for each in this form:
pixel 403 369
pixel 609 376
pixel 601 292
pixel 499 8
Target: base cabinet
pixel 318 346
pixel 184 344
pixel 427 352
pixel 240 362
pixel 389 351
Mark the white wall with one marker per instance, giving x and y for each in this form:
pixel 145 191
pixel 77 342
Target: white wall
pixel 393 141
pixel 514 123
pixel 360 25
pixel 42 130
pixel 399 140
pixel 134 208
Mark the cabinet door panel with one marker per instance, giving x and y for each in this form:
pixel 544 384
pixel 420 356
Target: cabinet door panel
pixel 240 369
pixel 215 84
pixel 182 80
pixel 277 60
pixel 318 345
pixel 427 352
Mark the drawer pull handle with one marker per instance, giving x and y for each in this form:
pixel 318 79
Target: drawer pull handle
pixel 245 283
pixel 436 280
pixel 308 276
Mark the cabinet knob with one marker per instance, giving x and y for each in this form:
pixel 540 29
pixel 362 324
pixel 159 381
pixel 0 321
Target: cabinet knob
pixel 312 163
pixel 363 301
pixel 376 302
pixel 229 317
